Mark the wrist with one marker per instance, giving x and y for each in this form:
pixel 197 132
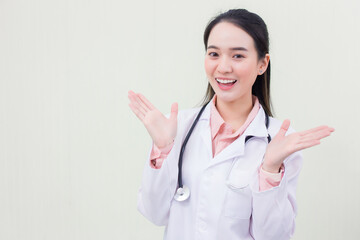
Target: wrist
pixel 271 168
pixel 164 144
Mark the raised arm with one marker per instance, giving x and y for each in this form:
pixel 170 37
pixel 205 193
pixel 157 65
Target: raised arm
pixel 282 146
pixel 161 129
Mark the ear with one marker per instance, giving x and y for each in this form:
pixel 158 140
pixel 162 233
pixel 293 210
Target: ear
pixel 263 64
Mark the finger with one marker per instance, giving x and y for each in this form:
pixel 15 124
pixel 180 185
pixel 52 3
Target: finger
pixel 131 92
pixel 131 95
pixel 316 131
pixel 316 135
pixel 138 113
pixel 284 127
pixel 146 102
pixel 138 104
pixel 174 111
pixel 307 144
pixel 136 98
pixel 319 128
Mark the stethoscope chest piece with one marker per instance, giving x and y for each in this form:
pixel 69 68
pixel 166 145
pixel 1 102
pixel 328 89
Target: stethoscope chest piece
pixel 182 193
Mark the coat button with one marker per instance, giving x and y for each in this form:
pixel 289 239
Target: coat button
pixel 203 226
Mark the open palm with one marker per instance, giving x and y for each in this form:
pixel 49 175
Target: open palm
pixel 283 146
pixel 161 129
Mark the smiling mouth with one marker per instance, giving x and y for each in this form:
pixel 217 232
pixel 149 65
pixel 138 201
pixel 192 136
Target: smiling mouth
pixel 225 84
pixel 226 81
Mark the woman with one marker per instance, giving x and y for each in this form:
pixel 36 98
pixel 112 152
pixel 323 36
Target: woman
pixel 242 184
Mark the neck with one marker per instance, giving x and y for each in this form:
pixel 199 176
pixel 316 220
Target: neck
pixel 235 112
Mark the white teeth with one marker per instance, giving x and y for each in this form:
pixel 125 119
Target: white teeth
pixel 225 81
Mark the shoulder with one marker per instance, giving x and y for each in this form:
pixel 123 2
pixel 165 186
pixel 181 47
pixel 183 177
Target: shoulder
pixel 186 115
pixel 185 119
pixel 189 113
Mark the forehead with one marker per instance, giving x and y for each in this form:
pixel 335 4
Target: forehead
pixel 228 35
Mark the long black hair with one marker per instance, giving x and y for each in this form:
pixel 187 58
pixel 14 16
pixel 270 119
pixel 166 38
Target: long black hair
pixel 256 28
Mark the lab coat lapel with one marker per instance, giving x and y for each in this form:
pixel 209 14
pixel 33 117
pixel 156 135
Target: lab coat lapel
pixel 235 149
pixel 256 128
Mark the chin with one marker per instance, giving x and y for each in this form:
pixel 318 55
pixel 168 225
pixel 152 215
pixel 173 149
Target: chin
pixel 226 97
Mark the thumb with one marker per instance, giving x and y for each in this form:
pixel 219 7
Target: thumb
pixel 284 127
pixel 174 111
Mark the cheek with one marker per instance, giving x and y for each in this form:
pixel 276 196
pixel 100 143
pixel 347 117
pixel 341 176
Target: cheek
pixel 209 66
pixel 246 69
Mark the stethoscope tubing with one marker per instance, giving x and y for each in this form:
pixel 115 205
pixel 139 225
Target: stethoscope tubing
pixel 184 145
pixel 183 192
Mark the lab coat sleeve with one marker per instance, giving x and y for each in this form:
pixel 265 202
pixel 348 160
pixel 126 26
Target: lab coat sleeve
pixel 159 185
pixel 274 210
pixel 156 193
pixel 269 180
pixel 158 155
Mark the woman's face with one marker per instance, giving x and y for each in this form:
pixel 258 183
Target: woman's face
pixel 231 62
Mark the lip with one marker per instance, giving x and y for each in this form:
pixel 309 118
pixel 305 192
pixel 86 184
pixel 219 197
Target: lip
pixel 224 78
pixel 225 87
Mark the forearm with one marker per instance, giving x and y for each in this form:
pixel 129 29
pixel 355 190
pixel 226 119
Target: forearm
pixel 274 210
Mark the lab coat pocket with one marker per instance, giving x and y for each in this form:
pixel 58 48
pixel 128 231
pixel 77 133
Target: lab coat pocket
pixel 238 199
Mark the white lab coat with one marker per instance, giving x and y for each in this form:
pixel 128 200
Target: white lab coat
pixel 225 202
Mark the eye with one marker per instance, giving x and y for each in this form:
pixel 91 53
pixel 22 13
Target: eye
pixel 213 54
pixel 238 56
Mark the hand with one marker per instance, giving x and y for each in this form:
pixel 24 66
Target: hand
pixel 283 146
pixel 161 129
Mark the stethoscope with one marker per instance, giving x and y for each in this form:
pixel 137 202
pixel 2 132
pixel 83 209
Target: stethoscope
pixel 183 192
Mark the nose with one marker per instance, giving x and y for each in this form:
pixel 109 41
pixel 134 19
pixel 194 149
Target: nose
pixel 224 65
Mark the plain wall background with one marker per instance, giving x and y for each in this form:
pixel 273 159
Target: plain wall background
pixel 71 150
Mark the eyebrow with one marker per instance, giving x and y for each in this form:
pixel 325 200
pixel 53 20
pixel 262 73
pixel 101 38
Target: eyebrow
pixel 235 48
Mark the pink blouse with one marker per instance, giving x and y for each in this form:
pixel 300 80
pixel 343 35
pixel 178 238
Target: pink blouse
pixel 223 135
